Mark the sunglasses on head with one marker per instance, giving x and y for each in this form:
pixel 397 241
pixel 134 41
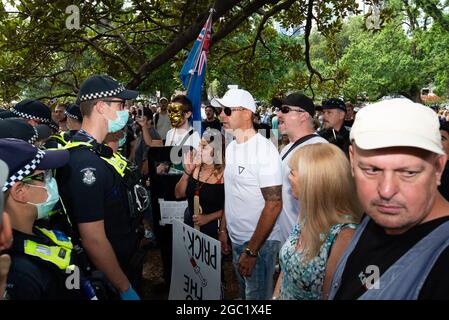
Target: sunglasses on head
pixel 43 176
pixel 287 109
pixel 228 111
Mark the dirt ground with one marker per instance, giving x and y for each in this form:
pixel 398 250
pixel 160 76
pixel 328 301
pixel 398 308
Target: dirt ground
pixel 152 274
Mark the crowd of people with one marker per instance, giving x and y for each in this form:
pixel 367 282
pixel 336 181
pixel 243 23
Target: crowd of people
pixel 347 202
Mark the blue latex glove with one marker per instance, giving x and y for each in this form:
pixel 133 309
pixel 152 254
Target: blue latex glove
pixel 129 294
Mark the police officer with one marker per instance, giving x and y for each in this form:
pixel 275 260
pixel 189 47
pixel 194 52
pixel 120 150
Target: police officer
pixel 92 186
pixel 18 129
pixel 33 111
pixel 40 257
pixel 5 233
pixel 334 111
pixel 73 123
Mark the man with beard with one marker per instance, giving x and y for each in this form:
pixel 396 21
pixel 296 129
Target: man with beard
pixel 335 132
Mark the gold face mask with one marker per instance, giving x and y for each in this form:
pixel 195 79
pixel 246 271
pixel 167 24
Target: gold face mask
pixel 176 114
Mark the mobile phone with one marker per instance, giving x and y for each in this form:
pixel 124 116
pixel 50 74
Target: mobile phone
pixel 140 113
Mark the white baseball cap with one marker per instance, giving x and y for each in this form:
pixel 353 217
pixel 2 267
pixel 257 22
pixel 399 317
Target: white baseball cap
pixel 214 103
pixel 397 122
pixel 235 98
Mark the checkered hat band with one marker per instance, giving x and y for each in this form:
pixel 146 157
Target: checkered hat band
pixel 34 137
pixel 53 126
pixel 28 116
pixel 102 94
pixel 71 116
pixel 25 171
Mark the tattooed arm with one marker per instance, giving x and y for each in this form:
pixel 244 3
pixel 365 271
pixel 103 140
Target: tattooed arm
pixel 268 217
pixel 271 211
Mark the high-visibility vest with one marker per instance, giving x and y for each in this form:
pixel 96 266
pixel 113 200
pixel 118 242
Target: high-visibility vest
pixel 117 161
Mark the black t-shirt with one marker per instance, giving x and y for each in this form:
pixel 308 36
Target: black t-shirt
pixel 348 123
pixel 340 139
pixel 92 190
pixel 30 278
pixel 266 130
pixel 216 124
pixel 375 247
pixel 211 200
pixel 444 186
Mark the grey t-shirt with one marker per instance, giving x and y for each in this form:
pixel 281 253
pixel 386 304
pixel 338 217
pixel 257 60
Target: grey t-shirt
pixel 163 125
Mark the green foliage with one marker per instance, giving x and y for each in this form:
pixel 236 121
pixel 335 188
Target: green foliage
pixel 41 57
pixel 381 63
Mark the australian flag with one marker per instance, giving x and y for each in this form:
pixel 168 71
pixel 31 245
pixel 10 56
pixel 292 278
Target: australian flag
pixel 194 69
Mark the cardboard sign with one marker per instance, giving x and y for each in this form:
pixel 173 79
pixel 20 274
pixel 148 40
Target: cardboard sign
pixel 172 210
pixel 196 266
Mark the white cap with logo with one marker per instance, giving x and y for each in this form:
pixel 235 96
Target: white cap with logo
pixel 235 98
pixel 397 122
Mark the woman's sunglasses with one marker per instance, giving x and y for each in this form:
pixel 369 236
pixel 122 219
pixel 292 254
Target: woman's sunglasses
pixel 228 111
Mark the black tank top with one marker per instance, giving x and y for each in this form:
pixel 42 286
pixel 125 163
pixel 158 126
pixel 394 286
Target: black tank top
pixel 211 200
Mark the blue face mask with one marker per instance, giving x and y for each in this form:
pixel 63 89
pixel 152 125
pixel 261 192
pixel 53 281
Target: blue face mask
pixel 119 122
pixel 44 208
pixel 122 141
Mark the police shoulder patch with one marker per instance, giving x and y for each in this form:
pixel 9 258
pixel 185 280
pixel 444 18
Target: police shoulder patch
pixel 88 176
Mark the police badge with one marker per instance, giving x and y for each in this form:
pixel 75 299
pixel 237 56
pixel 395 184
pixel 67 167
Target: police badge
pixel 89 176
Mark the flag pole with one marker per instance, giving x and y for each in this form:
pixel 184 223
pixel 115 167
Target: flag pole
pixel 200 49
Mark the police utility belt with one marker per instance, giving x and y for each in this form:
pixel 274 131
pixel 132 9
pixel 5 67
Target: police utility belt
pixel 138 197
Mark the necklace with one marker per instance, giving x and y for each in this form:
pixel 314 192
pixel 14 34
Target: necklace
pixel 199 184
pixel 197 210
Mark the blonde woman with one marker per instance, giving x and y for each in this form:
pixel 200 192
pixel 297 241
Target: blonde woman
pixel 321 180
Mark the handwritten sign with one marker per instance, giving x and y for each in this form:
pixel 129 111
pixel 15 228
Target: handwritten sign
pixel 196 268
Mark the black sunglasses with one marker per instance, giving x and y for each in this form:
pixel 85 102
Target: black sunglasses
pixel 42 177
pixel 287 109
pixel 228 111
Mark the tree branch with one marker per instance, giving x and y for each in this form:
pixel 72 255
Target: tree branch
pixel 283 6
pixel 237 20
pixel 432 10
pixel 57 96
pixel 110 55
pixel 311 69
pixel 133 50
pixel 180 41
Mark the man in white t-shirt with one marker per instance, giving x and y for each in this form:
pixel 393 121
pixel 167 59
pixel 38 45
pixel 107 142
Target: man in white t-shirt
pixel 253 198
pixel 295 115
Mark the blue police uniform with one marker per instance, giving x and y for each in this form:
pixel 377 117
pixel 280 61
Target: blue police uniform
pixel 36 273
pixel 93 190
